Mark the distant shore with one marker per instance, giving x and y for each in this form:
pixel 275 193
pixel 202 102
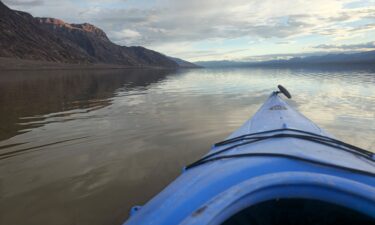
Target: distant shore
pixel 10 64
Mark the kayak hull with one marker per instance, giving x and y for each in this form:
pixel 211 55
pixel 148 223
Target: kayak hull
pixel 277 169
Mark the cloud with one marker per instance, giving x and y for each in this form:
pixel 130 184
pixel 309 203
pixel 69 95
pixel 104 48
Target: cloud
pixel 125 36
pixel 360 46
pixel 280 56
pixel 180 21
pixel 24 2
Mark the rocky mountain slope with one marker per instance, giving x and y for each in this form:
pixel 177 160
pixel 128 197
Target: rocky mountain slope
pixel 25 37
pixel 21 37
pixel 184 63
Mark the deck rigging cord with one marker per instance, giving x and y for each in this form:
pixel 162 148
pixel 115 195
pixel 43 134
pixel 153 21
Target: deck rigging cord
pixel 304 135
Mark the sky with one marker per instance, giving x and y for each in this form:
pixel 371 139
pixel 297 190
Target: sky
pixel 204 30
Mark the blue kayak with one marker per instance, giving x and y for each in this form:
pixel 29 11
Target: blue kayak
pixel 278 168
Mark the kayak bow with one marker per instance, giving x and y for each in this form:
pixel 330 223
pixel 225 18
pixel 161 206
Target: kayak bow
pixel 278 168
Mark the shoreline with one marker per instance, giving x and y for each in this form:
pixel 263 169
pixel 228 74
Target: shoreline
pixel 14 64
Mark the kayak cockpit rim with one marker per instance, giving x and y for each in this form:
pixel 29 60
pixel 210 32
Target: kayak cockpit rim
pixel 298 211
pixel 307 186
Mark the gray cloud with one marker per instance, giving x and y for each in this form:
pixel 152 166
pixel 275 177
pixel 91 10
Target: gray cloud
pixel 24 2
pixel 360 46
pixel 191 21
pixel 162 25
pixel 281 56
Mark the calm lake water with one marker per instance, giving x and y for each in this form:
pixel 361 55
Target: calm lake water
pixel 82 147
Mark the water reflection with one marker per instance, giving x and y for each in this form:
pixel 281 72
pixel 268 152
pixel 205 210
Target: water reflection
pixel 30 98
pixel 82 147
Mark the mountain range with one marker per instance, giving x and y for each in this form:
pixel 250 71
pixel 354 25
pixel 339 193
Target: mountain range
pixel 25 37
pixel 334 59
